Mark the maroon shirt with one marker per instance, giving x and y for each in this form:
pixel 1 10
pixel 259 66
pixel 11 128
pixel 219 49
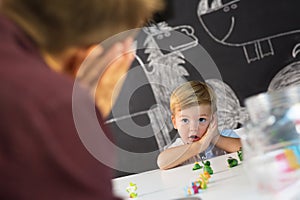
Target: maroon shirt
pixel 41 155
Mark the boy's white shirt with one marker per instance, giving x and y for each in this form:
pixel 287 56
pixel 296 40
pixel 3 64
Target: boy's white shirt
pixel 208 152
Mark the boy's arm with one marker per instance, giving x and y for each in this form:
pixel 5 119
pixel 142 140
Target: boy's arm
pixel 228 144
pixel 175 156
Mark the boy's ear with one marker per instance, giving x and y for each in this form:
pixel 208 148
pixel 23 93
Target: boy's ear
pixel 174 121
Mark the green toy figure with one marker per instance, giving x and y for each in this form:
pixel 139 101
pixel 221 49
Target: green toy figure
pixel 197 166
pixel 131 189
pixel 207 167
pixel 240 154
pixel 232 162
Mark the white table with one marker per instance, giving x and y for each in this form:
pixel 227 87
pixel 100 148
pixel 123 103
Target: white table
pixel 225 183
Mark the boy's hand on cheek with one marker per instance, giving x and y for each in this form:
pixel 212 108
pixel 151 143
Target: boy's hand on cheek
pixel 213 130
pixel 204 142
pixel 212 134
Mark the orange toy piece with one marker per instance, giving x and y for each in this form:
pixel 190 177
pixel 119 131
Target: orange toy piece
pixel 206 174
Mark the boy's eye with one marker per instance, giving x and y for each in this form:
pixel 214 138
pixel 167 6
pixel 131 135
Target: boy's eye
pixel 202 120
pixel 185 120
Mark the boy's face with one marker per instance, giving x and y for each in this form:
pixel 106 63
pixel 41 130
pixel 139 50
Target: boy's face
pixel 192 123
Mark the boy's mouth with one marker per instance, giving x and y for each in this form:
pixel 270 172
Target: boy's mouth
pixel 194 138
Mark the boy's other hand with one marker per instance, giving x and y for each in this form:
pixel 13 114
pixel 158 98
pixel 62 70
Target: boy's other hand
pixel 213 130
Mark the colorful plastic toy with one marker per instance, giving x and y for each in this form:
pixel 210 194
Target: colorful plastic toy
pixel 232 162
pixel 131 189
pixel 206 175
pixel 240 154
pixel 194 189
pixel 203 184
pixel 207 167
pixel 197 166
pixel 199 185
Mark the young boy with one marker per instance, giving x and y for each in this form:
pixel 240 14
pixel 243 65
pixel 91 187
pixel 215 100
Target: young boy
pixel 193 107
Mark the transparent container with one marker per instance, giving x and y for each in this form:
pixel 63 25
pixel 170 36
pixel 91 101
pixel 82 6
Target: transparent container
pixel 271 145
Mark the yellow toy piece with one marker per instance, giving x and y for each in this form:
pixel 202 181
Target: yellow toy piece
pixel 131 189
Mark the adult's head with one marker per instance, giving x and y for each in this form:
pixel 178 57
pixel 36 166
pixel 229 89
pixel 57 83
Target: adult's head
pixel 59 24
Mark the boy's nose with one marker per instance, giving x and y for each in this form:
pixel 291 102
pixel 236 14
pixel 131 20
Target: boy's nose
pixel 194 126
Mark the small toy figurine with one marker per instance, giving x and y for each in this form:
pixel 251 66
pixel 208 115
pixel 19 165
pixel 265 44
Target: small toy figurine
pixel 207 167
pixel 240 154
pixel 206 175
pixel 197 166
pixel 188 191
pixel 203 184
pixel 131 189
pixel 199 185
pixel 194 189
pixel 232 162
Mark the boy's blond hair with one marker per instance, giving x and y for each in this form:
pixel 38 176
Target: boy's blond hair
pixel 57 24
pixel 190 94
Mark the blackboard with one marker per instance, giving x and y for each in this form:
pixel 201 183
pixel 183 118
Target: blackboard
pixel 240 47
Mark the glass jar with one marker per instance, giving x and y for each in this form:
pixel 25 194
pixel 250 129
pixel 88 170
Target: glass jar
pixel 271 145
